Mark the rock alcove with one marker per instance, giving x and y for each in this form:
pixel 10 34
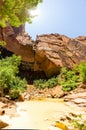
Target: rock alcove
pixel 45 56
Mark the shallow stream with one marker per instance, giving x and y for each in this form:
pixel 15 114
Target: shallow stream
pixel 38 114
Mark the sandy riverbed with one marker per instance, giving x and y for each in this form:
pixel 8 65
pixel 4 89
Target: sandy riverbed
pixel 37 114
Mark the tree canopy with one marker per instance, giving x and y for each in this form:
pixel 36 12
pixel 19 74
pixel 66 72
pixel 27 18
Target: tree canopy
pixel 16 12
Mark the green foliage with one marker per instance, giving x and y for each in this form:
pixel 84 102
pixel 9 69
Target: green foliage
pixel 2 43
pixel 82 71
pixel 41 84
pixel 17 86
pixel 69 85
pixel 16 12
pixel 79 123
pixel 79 126
pixel 68 79
pixel 9 80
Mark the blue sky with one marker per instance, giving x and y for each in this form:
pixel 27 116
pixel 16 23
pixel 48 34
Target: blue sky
pixel 66 17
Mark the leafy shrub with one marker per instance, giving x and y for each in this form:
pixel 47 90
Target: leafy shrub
pixel 10 83
pixel 82 71
pixel 79 126
pixel 69 85
pixel 68 79
pixel 79 123
pixel 41 84
pixel 17 86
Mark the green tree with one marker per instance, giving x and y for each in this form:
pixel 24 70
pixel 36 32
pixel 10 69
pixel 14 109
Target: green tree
pixel 16 12
pixel 10 83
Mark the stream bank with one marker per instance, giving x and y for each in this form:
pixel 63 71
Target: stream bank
pixel 38 114
pixel 42 113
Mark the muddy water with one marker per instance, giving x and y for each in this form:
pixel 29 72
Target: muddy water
pixel 38 114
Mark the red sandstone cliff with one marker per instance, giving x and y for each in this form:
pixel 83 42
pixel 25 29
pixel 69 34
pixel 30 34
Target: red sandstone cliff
pixel 54 51
pixel 48 53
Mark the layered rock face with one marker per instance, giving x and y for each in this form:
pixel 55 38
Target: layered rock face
pixel 18 42
pixel 48 53
pixel 55 51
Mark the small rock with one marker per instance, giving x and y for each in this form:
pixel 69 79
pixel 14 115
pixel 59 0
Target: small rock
pixel 3 124
pixel 21 97
pixel 2 112
pixel 26 96
pixel 8 97
pixel 83 86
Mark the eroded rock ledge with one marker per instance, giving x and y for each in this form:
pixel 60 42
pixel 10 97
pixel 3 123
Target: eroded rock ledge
pixel 48 53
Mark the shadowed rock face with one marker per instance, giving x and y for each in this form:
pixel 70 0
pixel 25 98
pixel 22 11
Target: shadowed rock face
pixel 18 42
pixel 48 53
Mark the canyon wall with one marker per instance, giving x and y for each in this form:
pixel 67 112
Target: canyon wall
pixel 48 53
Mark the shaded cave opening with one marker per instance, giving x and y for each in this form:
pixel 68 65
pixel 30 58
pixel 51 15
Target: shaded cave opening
pixel 25 71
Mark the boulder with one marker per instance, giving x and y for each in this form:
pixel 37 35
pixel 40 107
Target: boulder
pixel 55 51
pixel 57 92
